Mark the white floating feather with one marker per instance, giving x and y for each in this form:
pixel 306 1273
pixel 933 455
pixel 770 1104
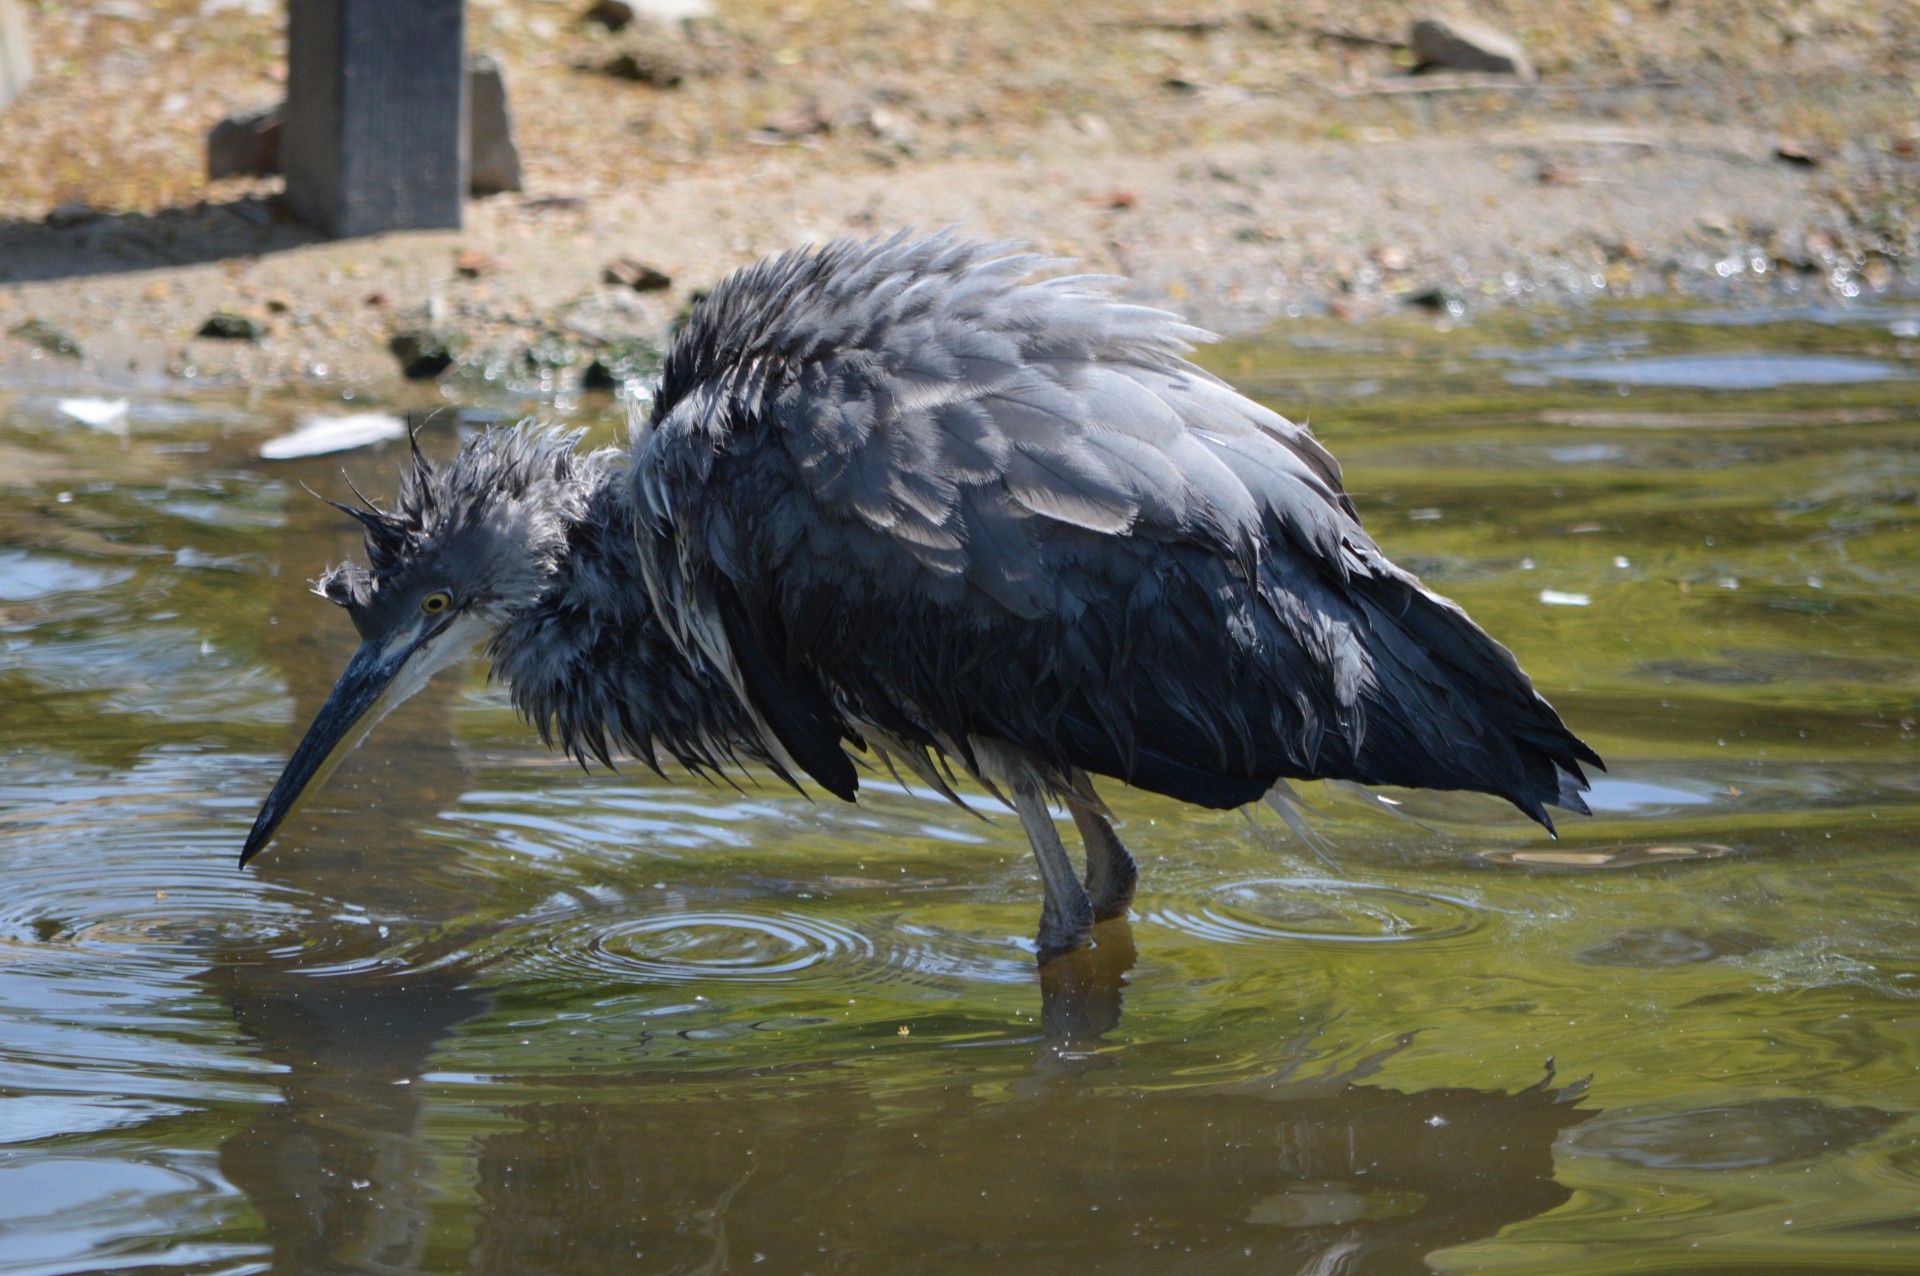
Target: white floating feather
pixel 319 435
pixel 101 414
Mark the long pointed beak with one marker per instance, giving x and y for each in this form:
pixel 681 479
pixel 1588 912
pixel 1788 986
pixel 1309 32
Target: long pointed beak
pixel 378 678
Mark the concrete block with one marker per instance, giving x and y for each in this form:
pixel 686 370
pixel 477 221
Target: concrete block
pixel 16 51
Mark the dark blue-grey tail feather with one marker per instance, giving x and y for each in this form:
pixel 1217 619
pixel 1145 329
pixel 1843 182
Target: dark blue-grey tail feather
pixel 1463 714
pixel 1369 678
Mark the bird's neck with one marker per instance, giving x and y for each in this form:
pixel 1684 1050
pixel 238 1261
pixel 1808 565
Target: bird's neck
pixel 592 668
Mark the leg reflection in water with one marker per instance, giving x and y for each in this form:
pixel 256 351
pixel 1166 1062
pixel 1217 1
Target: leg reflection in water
pixel 1081 994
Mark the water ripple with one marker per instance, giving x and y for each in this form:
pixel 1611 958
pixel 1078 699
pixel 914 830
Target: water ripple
pixel 772 946
pixel 1260 910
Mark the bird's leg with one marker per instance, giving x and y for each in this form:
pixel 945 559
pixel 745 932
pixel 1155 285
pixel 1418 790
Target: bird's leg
pixel 1066 920
pixel 1110 870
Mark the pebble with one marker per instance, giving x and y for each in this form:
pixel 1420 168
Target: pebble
pixel 423 353
pixel 654 67
pixel 614 15
pixel 493 155
pixel 1792 150
pixel 473 263
pixel 615 365
pixel 47 336
pixel 246 143
pixel 1440 299
pixel 226 326
pixel 73 212
pixel 637 275
pixel 1457 45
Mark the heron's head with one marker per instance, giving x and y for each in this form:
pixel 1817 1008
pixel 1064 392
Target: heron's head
pixel 464 547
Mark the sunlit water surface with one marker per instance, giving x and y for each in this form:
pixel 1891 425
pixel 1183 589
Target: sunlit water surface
pixel 477 1012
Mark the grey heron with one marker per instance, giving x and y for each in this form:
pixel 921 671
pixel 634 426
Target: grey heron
pixel 902 501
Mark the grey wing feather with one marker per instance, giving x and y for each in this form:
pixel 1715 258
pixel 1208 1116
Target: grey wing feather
pixel 961 502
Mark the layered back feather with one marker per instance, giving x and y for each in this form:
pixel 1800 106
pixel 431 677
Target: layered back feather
pixel 901 488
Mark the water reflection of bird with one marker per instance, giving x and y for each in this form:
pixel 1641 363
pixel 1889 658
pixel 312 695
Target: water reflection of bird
pixel 897 499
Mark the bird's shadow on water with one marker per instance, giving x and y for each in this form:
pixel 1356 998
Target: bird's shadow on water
pixel 699 1173
pixel 663 1166
pixel 341 1171
pixel 119 243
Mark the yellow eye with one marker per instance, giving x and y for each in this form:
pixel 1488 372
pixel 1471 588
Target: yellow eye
pixel 436 602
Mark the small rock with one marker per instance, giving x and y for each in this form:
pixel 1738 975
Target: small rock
pixel 617 364
pixel 637 275
pixel 802 121
pixel 1793 151
pixel 1114 201
pixel 226 326
pixel 52 339
pixel 1468 46
pixel 423 353
pixel 71 213
pixel 473 263
pixel 887 124
pixel 1391 257
pixel 1440 300
pixel 655 67
pixel 246 143
pixel 614 15
pixel 494 158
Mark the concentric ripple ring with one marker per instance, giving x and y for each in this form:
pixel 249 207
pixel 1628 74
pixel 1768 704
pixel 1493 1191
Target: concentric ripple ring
pixel 1267 909
pixel 703 946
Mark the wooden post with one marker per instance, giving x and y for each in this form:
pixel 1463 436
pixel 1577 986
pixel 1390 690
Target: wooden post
pixel 375 134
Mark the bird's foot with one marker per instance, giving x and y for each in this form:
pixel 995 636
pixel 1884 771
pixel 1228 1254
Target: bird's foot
pixel 1063 930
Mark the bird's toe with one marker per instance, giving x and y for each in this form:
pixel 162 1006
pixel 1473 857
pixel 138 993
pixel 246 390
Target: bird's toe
pixel 1063 931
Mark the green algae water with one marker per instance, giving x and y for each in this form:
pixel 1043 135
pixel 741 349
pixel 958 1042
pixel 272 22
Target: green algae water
pixel 479 1012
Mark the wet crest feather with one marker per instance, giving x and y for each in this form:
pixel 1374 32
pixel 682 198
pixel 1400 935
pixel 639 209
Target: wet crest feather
pixel 493 521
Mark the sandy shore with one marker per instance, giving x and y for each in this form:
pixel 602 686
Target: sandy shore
pixel 1359 190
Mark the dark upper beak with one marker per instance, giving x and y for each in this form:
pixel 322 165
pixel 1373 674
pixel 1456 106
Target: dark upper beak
pixel 378 678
